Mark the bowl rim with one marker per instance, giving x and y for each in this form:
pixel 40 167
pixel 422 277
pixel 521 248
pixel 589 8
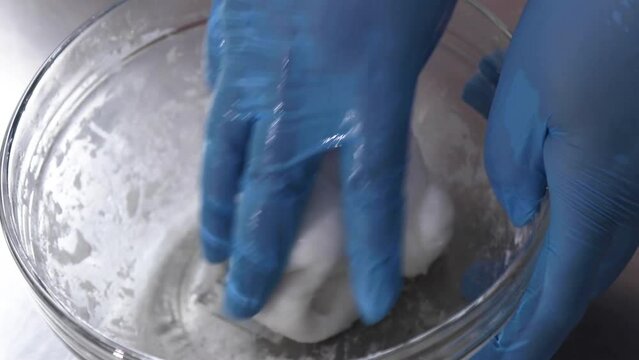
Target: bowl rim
pixel 88 333
pixel 43 298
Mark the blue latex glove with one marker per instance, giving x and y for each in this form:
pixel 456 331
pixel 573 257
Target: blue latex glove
pixel 565 120
pixel 293 80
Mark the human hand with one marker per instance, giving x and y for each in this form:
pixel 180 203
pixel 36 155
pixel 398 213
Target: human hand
pixel 293 80
pixel 564 121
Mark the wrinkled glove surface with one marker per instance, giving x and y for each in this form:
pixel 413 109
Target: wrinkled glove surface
pixel 293 80
pixel 565 120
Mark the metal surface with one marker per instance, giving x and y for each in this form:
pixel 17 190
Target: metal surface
pixel 30 30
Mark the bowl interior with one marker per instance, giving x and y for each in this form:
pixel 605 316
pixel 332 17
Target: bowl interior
pixel 104 185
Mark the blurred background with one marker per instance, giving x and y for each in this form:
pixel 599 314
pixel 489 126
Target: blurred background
pixel 31 29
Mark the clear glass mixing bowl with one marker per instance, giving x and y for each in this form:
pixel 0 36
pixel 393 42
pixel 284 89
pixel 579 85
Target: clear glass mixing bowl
pixel 99 184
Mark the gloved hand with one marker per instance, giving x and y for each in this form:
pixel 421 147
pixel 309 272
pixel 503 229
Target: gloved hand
pixel 565 120
pixel 293 80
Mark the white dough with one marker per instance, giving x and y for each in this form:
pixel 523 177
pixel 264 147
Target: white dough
pixel 314 301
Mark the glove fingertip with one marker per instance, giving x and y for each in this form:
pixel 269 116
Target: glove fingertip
pixel 377 290
pixel 479 91
pixel 490 66
pixel 520 211
pixel 248 286
pixel 238 306
pixel 519 189
pixel 215 250
pixel 479 94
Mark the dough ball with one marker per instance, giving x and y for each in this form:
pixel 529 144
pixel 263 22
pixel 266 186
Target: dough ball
pixel 313 301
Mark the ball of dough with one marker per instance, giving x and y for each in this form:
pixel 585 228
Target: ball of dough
pixel 313 301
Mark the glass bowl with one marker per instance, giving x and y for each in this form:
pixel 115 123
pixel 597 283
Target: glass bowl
pixel 99 182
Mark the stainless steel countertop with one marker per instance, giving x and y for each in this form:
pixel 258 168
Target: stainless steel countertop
pixel 31 29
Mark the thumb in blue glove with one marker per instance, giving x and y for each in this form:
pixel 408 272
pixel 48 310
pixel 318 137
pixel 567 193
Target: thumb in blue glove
pixel 293 80
pixel 565 120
